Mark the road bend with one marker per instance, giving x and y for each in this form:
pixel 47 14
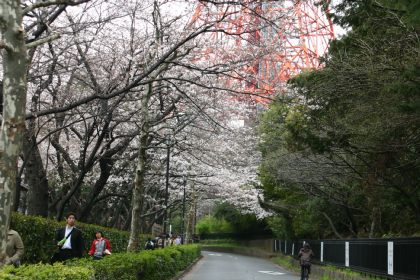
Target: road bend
pixel 225 266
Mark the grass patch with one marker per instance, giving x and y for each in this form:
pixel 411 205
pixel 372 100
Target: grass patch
pixel 348 272
pixel 285 262
pixel 223 245
pixel 219 242
pixel 323 272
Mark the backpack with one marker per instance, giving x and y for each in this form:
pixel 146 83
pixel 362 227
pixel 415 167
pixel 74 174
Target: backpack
pixel 305 257
pixel 150 245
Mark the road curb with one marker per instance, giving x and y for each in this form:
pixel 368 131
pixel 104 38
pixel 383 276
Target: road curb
pixel 185 271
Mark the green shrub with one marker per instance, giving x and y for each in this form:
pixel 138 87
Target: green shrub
pixel 203 227
pixel 158 264
pixel 38 236
pixel 210 224
pixel 46 272
pixel 148 265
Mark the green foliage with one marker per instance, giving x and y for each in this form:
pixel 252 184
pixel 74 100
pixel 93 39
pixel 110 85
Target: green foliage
pixel 285 261
pixel 352 13
pixel 176 222
pixel 147 265
pixel 340 152
pixel 38 236
pixel 244 224
pixel 229 222
pixel 210 224
pixel 324 272
pixel 46 272
pixel 219 242
pixel 280 228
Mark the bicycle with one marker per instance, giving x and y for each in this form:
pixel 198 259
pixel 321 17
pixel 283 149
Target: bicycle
pixel 305 272
pixel 305 255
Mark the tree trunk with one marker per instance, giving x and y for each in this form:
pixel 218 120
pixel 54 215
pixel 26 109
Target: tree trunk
pixel 14 101
pixel 330 222
pixel 125 225
pixel 354 229
pixel 189 231
pixel 75 185
pixel 36 178
pixel 116 214
pixel 138 188
pixel 105 165
pixel 83 168
pixel 372 190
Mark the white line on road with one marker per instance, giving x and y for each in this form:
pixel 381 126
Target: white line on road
pixel 272 272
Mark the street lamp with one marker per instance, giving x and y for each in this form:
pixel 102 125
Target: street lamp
pixel 183 211
pixel 165 215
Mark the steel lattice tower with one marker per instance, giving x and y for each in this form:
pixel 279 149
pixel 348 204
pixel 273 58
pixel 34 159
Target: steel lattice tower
pixel 278 39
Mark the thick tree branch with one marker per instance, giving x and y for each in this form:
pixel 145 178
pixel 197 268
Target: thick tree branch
pixel 42 41
pixel 47 3
pixel 332 225
pixel 126 89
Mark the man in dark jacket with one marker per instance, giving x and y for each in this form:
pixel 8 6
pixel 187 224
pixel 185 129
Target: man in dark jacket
pixel 69 241
pixel 305 256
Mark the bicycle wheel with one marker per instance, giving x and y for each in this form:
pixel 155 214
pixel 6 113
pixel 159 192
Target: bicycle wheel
pixel 306 273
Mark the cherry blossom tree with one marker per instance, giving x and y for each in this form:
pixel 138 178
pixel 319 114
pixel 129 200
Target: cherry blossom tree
pixel 15 62
pixel 106 84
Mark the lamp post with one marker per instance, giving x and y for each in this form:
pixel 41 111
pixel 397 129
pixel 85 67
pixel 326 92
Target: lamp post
pixel 165 215
pixel 183 211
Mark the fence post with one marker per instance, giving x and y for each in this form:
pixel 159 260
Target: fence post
pixel 322 252
pixel 285 247
pixel 390 257
pixel 347 258
pixel 293 248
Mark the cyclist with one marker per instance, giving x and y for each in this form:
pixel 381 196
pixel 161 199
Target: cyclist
pixel 305 255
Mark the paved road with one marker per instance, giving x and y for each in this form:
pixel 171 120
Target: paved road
pixel 224 266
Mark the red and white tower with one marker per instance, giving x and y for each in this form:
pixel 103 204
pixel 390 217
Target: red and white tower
pixel 270 41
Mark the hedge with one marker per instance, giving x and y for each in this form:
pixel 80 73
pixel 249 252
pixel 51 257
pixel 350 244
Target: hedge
pixel 160 264
pixel 38 236
pixel 46 271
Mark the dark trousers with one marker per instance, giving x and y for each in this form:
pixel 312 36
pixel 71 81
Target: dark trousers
pixel 302 270
pixel 63 254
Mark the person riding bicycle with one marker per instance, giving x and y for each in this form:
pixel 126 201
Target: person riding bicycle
pixel 305 256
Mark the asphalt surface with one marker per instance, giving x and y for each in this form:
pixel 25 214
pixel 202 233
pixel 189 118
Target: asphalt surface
pixel 225 266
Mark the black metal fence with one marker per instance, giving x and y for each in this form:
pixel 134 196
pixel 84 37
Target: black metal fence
pixel 397 258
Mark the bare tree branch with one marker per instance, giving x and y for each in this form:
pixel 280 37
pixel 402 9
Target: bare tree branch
pixel 47 3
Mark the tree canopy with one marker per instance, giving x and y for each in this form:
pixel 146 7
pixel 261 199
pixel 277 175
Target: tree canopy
pixel 341 150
